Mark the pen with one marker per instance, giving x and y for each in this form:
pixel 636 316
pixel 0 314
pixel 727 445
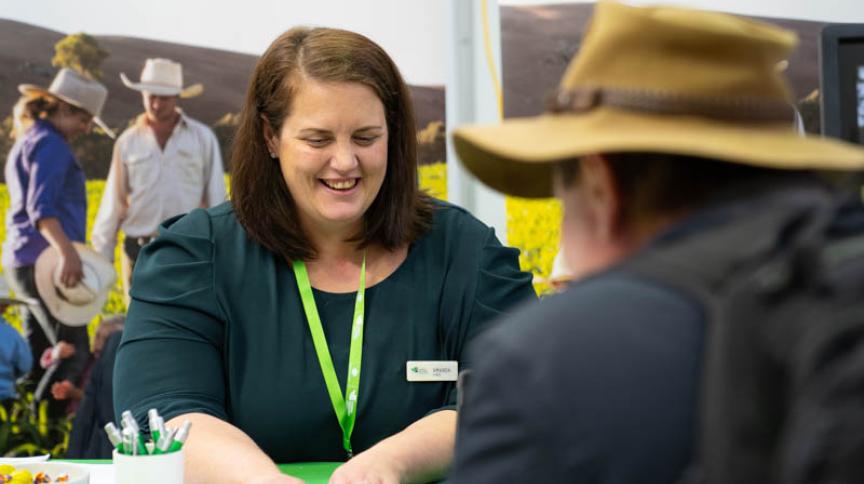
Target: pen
pixel 161 424
pixel 138 440
pixel 181 437
pixel 154 419
pixel 129 441
pixel 165 442
pixel 114 437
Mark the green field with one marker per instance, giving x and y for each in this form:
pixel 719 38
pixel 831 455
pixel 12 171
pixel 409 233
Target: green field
pixel 532 226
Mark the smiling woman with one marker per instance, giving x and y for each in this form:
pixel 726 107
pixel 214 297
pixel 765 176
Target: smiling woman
pixel 283 324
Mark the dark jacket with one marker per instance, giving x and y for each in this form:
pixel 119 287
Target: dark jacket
pixel 600 384
pixel 88 439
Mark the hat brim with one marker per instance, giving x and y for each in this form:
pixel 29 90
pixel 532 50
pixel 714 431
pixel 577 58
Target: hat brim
pixel 27 89
pixel 517 156
pixel 64 311
pixel 160 90
pixel 104 127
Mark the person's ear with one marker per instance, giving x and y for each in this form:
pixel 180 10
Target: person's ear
pixel 269 135
pixel 602 195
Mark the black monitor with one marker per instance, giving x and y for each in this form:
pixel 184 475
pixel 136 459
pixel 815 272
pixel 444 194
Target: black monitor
pixel 842 81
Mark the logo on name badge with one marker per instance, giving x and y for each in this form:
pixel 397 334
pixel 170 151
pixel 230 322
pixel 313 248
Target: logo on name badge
pixel 432 370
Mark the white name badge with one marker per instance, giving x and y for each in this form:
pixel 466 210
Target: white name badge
pixel 432 370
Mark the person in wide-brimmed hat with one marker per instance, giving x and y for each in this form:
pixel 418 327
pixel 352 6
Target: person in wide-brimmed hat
pixel 671 128
pixel 164 165
pixel 48 199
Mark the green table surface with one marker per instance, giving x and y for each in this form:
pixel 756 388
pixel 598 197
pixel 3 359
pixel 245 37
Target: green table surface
pixel 311 472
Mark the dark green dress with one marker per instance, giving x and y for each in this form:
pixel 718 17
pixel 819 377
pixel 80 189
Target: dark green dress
pixel 216 326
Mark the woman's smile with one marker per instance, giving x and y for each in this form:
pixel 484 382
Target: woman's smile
pixel 340 185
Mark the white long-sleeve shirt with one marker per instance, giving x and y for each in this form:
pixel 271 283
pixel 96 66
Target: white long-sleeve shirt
pixel 147 185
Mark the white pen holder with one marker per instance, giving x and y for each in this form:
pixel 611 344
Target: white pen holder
pixel 149 469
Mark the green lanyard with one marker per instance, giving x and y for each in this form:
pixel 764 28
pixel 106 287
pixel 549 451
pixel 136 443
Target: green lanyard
pixel 344 407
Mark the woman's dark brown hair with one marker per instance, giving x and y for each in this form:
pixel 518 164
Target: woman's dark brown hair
pixel 263 204
pixel 31 107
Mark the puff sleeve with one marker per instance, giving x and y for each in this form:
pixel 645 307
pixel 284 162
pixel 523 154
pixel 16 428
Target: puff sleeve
pixel 494 285
pixel 171 354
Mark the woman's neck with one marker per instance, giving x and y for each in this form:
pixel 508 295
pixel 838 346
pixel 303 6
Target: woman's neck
pixel 338 255
pixel 332 243
pixel 337 265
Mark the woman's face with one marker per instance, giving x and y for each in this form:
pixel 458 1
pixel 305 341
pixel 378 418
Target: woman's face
pixel 332 149
pixel 71 121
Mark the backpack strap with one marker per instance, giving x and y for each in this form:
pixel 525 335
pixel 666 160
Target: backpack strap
pixel 753 253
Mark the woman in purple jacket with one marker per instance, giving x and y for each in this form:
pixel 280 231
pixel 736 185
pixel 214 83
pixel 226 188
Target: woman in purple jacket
pixel 48 203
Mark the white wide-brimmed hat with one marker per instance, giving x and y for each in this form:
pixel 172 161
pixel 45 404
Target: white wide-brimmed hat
pixel 77 90
pixel 77 305
pixel 163 77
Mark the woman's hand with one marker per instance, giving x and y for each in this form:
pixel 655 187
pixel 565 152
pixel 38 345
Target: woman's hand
pixel 70 267
pixel 70 262
pixel 420 453
pixel 369 467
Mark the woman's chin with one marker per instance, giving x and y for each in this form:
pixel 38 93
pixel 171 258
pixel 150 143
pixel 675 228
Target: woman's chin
pixel 341 218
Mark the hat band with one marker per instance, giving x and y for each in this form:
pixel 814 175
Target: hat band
pixel 582 100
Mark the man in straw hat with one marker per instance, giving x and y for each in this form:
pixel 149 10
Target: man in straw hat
pixel 165 164
pixel 671 148
pixel 48 202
